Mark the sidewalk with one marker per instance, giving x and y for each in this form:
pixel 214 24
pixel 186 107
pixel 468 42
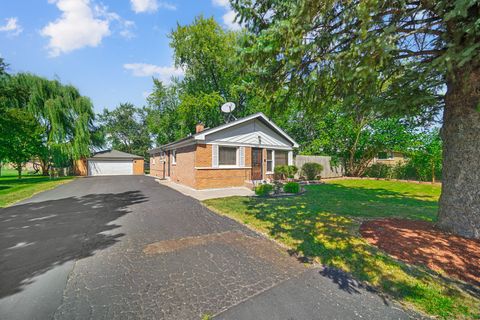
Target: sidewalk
pixel 207 193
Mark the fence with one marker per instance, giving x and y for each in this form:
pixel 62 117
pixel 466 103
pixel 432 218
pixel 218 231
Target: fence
pixel 327 172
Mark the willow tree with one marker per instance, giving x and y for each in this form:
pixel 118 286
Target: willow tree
pixel 65 117
pixel 416 44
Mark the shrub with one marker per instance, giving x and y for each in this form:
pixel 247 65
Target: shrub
pixel 379 170
pixel 292 170
pixel 283 172
pixel 312 170
pixel 263 189
pixel 291 187
pixel 410 170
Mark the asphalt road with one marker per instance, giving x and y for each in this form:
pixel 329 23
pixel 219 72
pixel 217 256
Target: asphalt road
pixel 126 247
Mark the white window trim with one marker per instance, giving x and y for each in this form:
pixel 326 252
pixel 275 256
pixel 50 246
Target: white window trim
pixel 290 158
pixel 153 160
pixel 273 161
pixel 237 164
pixel 174 157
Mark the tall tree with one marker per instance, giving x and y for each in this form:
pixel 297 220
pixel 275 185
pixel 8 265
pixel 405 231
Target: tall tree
pixel 416 44
pixel 425 156
pixel 126 129
pixel 213 71
pixel 162 118
pixel 20 137
pixel 65 116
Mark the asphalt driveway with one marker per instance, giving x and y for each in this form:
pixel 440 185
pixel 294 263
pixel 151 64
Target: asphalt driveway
pixel 128 247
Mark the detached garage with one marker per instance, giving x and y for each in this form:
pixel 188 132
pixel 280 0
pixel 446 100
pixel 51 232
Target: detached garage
pixel 113 162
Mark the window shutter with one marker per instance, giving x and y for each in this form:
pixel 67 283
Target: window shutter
pixel 290 158
pixel 241 155
pixel 215 156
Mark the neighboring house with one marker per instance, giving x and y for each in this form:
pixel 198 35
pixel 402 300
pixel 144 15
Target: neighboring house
pixel 389 158
pixel 233 154
pixel 110 163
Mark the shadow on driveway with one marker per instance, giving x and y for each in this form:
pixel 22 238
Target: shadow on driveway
pixel 35 237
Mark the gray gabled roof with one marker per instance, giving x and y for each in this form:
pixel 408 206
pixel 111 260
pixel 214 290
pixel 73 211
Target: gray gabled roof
pixel 114 155
pixel 201 135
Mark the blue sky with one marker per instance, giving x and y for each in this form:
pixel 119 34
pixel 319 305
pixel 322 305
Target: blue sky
pixel 109 49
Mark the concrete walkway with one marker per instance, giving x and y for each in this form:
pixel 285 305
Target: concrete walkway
pixel 207 193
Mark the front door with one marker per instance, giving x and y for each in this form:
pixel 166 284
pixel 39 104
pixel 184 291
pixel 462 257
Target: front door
pixel 257 164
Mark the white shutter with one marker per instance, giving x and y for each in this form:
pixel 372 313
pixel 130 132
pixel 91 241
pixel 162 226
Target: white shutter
pixel 215 156
pixel 290 158
pixel 241 155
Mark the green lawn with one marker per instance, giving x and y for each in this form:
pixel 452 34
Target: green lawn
pixel 323 224
pixel 13 189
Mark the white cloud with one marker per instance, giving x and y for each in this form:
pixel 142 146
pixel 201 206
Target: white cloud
pixel 140 6
pixel 229 20
pixel 76 28
pixel 221 3
pixel 229 17
pixel 124 25
pixel 167 5
pixel 147 70
pixel 81 25
pixel 11 27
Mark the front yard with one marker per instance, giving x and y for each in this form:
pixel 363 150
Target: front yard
pixel 323 225
pixel 13 189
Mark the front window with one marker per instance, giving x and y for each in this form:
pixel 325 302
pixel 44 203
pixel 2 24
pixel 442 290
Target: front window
pixel 174 157
pixel 269 160
pixel 281 158
pixel 227 156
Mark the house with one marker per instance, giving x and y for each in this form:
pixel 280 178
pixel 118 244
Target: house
pixel 390 158
pixel 230 155
pixel 110 162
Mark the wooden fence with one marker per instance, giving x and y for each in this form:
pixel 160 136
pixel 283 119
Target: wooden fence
pixel 328 170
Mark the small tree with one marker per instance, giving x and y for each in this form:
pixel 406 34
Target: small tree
pixel 312 170
pixel 24 137
pixel 284 172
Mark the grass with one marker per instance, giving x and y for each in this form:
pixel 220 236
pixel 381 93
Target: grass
pixel 13 189
pixel 323 224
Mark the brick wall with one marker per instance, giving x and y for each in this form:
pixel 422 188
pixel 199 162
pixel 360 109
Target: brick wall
pixel 184 169
pixel 203 155
pixel 221 178
pixel 156 165
pixel 207 177
pixel 194 168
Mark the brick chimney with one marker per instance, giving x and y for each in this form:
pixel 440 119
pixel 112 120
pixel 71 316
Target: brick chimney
pixel 199 127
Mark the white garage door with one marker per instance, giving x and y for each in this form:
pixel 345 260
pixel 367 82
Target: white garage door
pixel 110 167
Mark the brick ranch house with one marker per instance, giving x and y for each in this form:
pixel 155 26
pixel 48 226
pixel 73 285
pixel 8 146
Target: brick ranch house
pixel 230 155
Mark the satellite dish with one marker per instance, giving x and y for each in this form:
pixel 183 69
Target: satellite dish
pixel 228 107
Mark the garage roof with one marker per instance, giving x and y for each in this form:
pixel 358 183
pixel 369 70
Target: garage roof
pixel 114 155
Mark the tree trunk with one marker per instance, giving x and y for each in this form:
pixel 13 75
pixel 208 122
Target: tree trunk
pixel 433 172
pixel 45 167
pixel 460 200
pixel 19 170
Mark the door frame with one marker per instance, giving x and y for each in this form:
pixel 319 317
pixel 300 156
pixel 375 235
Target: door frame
pixel 260 150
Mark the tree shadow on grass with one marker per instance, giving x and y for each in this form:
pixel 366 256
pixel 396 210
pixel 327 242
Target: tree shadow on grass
pixel 322 225
pixel 35 237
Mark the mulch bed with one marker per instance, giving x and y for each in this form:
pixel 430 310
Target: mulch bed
pixel 420 243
